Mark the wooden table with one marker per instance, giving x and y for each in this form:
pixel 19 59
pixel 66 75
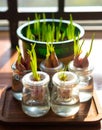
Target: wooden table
pixel 8 56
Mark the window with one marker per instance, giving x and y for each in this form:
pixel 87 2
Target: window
pixel 88 13
pixel 83 2
pixel 38 5
pixel 3 5
pixel 3 21
pixel 83 5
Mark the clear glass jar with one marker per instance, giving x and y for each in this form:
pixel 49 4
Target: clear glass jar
pixel 65 95
pixel 17 82
pixel 86 81
pixel 36 97
pixel 51 71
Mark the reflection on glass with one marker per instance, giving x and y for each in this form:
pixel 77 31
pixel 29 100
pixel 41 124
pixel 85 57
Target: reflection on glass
pixel 38 5
pixel 3 5
pixel 83 2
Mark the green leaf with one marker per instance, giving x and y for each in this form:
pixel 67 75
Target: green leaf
pixel 50 49
pixel 70 29
pixel 33 62
pixel 29 34
pixel 19 55
pixel 78 47
pixel 88 53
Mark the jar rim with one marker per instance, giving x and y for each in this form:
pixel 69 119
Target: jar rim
pixel 87 69
pixel 43 67
pixel 72 78
pixel 28 79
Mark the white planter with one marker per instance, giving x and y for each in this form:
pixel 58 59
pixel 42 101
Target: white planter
pixel 65 95
pixel 36 97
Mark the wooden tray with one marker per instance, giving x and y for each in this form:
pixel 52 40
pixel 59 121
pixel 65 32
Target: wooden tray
pixel 11 112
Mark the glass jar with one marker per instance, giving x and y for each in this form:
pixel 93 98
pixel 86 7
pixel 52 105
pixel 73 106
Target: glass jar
pixel 86 81
pixel 65 95
pixel 17 82
pixel 36 97
pixel 51 71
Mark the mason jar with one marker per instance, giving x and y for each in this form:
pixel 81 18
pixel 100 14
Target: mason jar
pixel 17 82
pixel 36 97
pixel 86 81
pixel 65 94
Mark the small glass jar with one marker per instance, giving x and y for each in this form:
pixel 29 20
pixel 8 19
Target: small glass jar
pixel 51 71
pixel 65 95
pixel 17 82
pixel 36 97
pixel 86 81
